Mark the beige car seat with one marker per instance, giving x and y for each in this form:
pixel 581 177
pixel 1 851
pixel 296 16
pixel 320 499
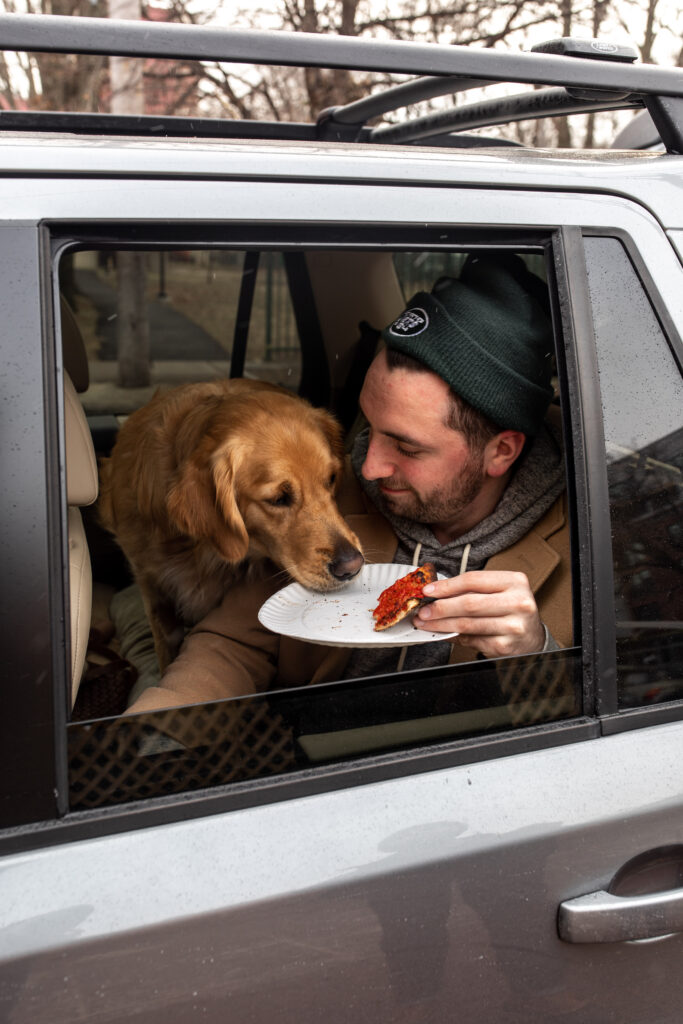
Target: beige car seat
pixel 81 489
pixel 350 319
pixel 371 292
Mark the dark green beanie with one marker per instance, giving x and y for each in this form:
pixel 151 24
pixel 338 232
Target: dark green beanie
pixel 488 336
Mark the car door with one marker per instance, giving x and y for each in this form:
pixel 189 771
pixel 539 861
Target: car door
pixel 404 848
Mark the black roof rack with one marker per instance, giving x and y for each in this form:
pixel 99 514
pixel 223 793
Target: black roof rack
pixel 583 75
pixel 539 103
pixel 161 126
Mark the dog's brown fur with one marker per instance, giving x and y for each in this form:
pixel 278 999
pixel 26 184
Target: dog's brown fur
pixel 208 479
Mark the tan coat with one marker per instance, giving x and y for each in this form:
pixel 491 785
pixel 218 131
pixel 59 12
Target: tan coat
pixel 230 654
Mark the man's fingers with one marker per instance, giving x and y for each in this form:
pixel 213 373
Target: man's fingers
pixel 474 606
pixel 512 626
pixel 493 612
pixel 485 582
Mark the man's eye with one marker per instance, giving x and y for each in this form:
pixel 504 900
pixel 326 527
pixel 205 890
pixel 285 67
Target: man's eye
pixel 409 452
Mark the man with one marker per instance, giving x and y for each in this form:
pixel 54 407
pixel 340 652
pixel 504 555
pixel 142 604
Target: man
pixel 456 467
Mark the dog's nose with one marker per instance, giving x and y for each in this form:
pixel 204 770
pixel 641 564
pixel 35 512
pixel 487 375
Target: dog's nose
pixel 347 562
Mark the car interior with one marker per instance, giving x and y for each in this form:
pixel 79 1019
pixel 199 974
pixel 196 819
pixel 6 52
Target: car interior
pixel 309 322
pixel 318 341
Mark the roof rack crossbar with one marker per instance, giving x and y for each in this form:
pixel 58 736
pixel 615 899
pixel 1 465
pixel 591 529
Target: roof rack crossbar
pixel 523 106
pixel 415 91
pixel 73 34
pixel 667 114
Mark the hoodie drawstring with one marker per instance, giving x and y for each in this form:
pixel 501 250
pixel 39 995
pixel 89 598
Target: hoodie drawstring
pixel 416 557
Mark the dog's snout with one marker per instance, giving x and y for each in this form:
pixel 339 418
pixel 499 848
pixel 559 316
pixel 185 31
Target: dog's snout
pixel 347 562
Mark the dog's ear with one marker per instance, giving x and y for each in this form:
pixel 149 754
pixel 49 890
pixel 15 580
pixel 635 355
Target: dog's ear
pixel 332 431
pixel 234 536
pixel 202 504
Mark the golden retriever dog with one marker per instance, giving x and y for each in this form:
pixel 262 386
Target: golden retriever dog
pixel 207 480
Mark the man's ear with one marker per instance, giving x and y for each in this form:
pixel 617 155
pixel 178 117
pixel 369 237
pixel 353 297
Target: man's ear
pixel 502 451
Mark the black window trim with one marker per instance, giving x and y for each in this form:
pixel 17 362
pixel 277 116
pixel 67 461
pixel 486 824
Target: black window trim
pixel 614 720
pixel 58 549
pixel 590 477
pixel 32 531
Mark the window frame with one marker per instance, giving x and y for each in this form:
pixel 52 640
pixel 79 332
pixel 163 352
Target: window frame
pixel 572 323
pixel 613 719
pixel 32 529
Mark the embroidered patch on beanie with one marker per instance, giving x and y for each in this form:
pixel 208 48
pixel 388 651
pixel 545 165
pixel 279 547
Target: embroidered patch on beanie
pixel 411 322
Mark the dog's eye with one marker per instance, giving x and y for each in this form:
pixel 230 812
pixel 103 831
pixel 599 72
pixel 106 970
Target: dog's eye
pixel 332 481
pixel 282 500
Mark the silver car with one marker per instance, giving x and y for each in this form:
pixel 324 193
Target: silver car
pixel 500 841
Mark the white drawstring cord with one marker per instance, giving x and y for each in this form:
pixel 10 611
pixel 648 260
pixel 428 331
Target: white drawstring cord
pixel 416 556
pixel 464 559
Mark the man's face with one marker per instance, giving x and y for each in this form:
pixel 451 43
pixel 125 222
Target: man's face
pixel 425 470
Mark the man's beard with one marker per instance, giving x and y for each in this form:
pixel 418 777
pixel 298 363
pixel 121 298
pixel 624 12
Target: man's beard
pixel 443 503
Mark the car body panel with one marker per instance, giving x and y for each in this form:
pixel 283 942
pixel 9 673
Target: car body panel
pixel 630 175
pixel 400 900
pixel 423 896
pixel 677 239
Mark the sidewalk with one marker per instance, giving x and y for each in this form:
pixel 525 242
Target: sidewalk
pixel 172 336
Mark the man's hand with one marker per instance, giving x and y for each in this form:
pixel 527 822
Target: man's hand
pixel 494 612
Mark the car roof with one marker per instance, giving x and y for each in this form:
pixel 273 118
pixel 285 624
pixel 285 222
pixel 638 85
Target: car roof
pixel 631 174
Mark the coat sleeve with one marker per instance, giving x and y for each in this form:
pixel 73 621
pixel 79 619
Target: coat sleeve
pixel 228 654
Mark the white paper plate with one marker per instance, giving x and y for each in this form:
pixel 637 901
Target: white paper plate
pixel 343 618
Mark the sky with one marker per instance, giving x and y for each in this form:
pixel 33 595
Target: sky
pixel 627 27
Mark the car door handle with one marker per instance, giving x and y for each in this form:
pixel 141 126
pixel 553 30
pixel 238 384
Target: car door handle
pixel 602 917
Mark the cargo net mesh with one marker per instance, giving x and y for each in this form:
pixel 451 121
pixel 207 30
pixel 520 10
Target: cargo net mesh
pixel 180 750
pixel 175 751
pixel 537 690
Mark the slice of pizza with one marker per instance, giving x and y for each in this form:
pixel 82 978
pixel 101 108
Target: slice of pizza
pixel 403 597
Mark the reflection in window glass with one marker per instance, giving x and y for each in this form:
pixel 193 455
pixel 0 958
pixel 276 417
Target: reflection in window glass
pixel 168 317
pixel 419 271
pixel 184 749
pixel 642 397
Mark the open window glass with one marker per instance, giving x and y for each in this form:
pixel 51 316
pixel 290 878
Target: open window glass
pixel 309 321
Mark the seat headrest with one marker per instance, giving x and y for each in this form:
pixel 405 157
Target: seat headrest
pixel 81 464
pixel 73 348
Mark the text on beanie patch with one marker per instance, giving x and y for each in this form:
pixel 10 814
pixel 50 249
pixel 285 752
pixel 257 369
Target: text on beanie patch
pixel 413 321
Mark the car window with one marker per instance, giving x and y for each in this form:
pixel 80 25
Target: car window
pixel 417 271
pixel 151 319
pixel 642 400
pixel 195 306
